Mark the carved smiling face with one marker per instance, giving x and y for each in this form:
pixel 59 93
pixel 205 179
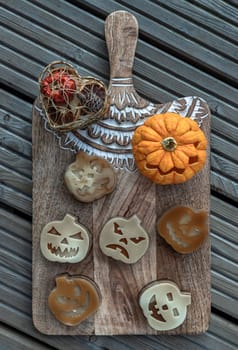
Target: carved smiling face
pixel 169 149
pixel 164 306
pixel 184 229
pixel 124 239
pixel 74 299
pixel 65 241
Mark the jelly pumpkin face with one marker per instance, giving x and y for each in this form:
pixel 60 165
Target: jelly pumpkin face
pixel 74 299
pixel 163 305
pixel 89 177
pixel 124 239
pixel 184 229
pixel 65 241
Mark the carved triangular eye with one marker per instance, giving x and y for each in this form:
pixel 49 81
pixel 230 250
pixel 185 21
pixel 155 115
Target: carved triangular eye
pixel 137 239
pixel 53 231
pixel 116 229
pixel 77 235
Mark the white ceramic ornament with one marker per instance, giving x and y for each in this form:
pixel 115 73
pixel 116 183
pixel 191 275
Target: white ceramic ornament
pixel 124 239
pixel 164 305
pixel 65 240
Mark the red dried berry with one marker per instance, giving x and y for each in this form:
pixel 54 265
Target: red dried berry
pixel 58 86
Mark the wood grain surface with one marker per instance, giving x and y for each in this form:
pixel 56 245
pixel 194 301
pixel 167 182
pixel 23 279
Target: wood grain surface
pixel 119 283
pixel 175 57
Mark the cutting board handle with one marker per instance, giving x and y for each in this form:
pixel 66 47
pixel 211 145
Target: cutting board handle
pixel 121 32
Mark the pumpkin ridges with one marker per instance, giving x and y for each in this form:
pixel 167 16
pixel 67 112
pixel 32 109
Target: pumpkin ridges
pixel 202 155
pixel 202 145
pixel 193 125
pixel 158 125
pixel 189 137
pixel 146 170
pixel 182 127
pixel 162 125
pixel 201 161
pixel 188 149
pixel 179 178
pixel 136 137
pixel 171 122
pixel 183 157
pixel 157 120
pixel 148 147
pixel 149 134
pixel 155 157
pixel 139 156
pixel 189 172
pixel 168 179
pixel 179 163
pixel 166 163
pixel 196 167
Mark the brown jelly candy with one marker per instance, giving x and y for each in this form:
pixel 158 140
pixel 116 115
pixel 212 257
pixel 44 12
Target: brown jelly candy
pixel 183 228
pixel 74 299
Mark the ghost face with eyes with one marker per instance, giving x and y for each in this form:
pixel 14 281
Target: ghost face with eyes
pixel 124 239
pixel 65 241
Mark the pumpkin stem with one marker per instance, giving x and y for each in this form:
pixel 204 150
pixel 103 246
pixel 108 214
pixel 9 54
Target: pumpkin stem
pixel 169 144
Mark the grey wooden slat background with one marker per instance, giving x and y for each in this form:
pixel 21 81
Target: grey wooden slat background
pixel 185 48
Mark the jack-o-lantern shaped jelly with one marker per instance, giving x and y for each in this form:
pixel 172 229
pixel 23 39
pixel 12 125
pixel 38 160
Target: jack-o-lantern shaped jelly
pixel 164 305
pixel 183 228
pixel 74 299
pixel 124 239
pixel 65 240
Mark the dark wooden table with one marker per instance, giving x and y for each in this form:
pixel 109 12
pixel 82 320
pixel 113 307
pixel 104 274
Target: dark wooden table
pixel 185 48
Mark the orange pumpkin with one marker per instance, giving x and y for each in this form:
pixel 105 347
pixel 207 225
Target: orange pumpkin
pixel 169 149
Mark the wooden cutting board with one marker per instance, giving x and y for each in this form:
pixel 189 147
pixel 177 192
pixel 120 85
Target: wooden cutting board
pixel 119 283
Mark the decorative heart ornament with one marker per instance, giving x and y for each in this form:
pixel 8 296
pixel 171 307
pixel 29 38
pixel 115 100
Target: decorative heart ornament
pixel 69 100
pixel 163 305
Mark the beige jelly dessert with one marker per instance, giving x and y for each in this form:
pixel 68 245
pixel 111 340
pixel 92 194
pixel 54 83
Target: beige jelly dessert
pixel 163 305
pixel 89 177
pixel 124 239
pixel 65 240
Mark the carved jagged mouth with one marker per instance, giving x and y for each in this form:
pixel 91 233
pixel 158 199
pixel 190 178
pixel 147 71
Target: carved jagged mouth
pixel 66 253
pixel 192 160
pixel 154 311
pixel 117 246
